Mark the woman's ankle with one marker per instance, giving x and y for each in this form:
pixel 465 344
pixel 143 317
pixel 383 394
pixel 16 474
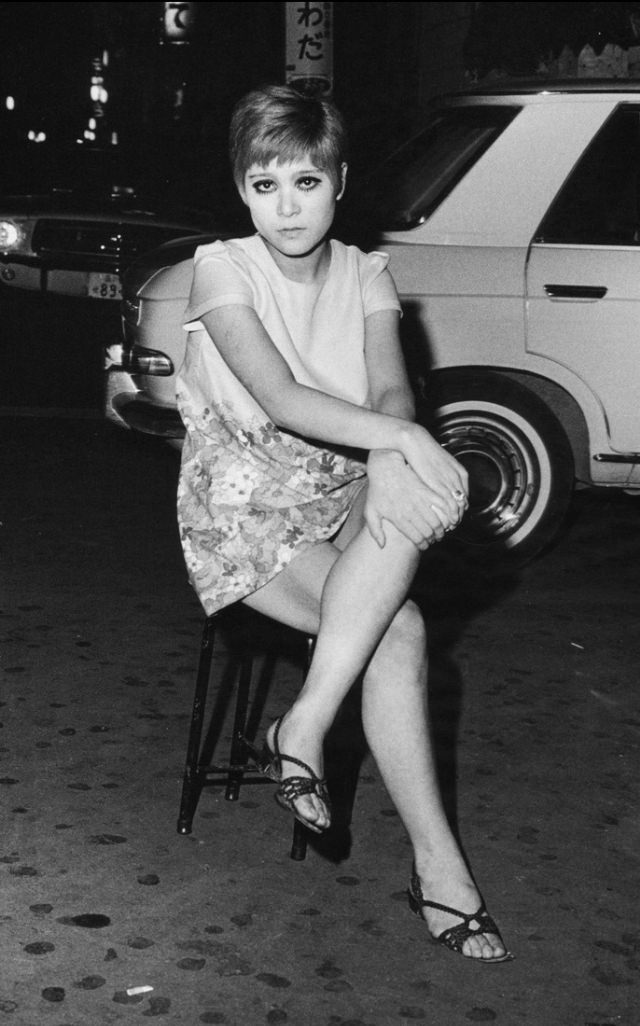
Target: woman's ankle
pixel 434 867
pixel 306 719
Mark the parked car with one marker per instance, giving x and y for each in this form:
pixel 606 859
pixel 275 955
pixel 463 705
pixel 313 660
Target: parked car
pixel 512 219
pixel 80 246
pixel 63 250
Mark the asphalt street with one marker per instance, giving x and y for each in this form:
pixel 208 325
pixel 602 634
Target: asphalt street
pixel 535 699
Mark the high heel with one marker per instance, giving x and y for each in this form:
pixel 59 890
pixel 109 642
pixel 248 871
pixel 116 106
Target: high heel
pixel 269 761
pixel 455 936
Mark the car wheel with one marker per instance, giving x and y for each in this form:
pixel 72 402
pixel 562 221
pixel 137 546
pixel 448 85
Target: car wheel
pixel 518 458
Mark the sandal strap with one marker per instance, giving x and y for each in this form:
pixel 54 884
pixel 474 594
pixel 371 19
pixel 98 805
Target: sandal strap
pixel 297 762
pixel 292 788
pixel 281 757
pixel 483 923
pixel 295 787
pixel 276 733
pixel 454 937
pixel 467 917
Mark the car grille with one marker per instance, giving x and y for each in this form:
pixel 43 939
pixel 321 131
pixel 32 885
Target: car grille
pixel 98 243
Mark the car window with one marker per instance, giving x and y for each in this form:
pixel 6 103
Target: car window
pixel 599 203
pixel 414 180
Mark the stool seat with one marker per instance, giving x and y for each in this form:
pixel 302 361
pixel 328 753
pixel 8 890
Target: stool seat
pixel 201 766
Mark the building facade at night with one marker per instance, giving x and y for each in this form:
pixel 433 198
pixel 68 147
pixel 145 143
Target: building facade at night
pixel 159 80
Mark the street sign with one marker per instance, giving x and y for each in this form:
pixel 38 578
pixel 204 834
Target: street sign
pixel 309 47
pixel 179 21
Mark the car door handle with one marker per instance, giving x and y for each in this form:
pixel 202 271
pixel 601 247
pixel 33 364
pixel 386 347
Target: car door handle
pixel 576 291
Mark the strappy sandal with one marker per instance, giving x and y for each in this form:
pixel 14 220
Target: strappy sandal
pixel 455 936
pixel 292 788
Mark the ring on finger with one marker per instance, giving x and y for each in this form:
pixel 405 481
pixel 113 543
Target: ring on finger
pixel 458 495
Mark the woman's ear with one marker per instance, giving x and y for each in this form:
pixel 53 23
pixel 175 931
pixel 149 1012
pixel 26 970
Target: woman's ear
pixel 343 181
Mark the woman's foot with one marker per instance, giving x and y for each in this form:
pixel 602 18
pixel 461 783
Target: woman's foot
pixel 302 788
pixel 455 916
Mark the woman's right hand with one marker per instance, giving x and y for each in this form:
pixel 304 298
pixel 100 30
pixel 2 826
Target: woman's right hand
pixel 396 494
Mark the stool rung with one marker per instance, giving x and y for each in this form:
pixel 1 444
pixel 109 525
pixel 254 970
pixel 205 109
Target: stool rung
pixel 248 775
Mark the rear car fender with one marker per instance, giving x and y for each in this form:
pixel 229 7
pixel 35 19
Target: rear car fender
pixel 171 282
pixel 162 301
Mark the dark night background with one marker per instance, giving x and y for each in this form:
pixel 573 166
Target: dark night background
pixel 389 60
pixel 45 63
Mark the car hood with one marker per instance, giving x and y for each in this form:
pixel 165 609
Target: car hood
pixel 132 209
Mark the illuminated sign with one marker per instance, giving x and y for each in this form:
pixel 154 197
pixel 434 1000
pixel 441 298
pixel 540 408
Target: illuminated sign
pixel 179 22
pixel 309 49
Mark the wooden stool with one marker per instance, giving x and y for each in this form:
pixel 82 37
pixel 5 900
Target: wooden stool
pixel 200 765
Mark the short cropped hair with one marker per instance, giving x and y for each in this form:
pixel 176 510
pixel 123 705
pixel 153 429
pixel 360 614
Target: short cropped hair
pixel 278 123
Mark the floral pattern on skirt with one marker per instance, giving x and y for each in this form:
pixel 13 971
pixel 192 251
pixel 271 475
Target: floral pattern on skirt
pixel 251 498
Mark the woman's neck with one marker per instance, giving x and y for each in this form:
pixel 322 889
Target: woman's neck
pixel 310 269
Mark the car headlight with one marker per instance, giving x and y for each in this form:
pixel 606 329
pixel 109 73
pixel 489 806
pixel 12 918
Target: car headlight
pixel 11 235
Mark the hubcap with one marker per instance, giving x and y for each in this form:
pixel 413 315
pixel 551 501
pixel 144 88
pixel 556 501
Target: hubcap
pixel 504 474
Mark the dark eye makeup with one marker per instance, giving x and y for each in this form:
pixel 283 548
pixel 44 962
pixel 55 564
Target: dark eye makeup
pixel 267 185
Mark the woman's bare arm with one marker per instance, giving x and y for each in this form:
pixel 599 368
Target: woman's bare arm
pixel 396 493
pixel 248 350
pixel 389 388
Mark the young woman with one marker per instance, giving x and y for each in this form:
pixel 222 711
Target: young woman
pixel 306 489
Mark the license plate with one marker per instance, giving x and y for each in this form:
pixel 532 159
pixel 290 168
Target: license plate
pixel 104 286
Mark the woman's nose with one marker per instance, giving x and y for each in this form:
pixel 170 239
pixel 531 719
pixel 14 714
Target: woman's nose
pixel 287 203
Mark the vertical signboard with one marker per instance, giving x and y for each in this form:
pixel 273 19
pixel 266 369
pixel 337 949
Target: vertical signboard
pixel 309 47
pixel 178 22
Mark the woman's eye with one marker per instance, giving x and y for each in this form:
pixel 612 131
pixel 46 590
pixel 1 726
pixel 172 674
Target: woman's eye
pixel 265 185
pixel 308 182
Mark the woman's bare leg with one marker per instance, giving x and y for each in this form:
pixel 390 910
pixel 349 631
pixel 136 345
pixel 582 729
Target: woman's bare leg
pixel 348 626
pixel 394 715
pixel 395 720
pixel 328 591
pixel 347 594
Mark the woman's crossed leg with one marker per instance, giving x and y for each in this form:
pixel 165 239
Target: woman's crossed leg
pixel 353 595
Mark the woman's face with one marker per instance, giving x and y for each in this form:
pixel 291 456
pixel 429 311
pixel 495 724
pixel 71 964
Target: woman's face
pixel 291 205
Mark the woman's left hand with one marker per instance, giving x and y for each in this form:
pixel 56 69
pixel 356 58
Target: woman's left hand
pixel 437 469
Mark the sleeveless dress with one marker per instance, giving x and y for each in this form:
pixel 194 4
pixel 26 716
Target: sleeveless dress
pixel 250 495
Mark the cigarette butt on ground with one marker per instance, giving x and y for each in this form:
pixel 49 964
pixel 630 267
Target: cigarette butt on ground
pixel 132 991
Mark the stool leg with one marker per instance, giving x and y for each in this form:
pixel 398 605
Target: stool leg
pixel 299 843
pixel 300 833
pixel 192 780
pixel 238 755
